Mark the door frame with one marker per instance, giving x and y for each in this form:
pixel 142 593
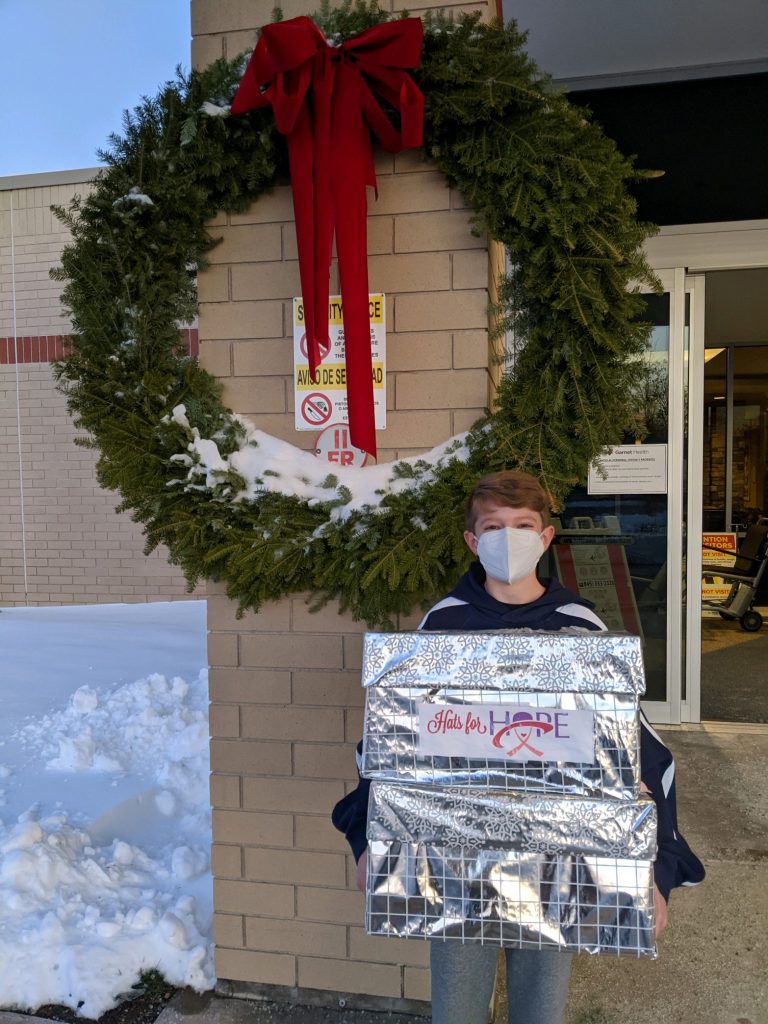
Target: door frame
pixel 680 254
pixel 668 711
pixel 690 705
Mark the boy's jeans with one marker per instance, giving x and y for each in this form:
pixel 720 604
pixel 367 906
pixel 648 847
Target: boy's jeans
pixel 462 983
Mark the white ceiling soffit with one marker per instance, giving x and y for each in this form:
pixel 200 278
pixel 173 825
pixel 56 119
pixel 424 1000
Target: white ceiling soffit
pixel 593 44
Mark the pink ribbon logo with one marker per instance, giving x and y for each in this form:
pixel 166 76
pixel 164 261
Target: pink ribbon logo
pixel 521 728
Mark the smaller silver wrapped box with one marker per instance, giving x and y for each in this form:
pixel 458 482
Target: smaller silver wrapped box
pixel 547 713
pixel 509 870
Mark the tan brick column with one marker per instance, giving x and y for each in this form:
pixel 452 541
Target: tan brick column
pixel 286 707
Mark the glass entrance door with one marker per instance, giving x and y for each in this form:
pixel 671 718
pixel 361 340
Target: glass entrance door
pixel 620 538
pixel 713 309
pixel 734 465
pixel 641 550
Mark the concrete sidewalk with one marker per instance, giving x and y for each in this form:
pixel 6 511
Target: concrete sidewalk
pixel 712 967
pixel 713 957
pixel 713 963
pixel 185 1008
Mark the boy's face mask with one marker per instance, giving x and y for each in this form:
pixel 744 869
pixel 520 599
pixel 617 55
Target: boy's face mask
pixel 509 554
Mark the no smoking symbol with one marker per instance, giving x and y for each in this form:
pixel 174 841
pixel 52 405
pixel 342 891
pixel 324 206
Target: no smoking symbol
pixel 323 347
pixel 316 409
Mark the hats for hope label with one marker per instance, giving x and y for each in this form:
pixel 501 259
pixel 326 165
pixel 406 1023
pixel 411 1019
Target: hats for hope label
pixel 517 732
pixel 322 399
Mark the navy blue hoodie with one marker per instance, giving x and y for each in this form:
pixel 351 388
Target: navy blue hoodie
pixel 469 606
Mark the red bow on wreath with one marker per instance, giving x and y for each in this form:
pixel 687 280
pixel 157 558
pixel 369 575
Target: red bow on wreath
pixel 326 101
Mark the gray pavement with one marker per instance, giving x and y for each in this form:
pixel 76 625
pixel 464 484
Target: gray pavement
pixel 734 681
pixel 213 1009
pixel 713 962
pixel 712 967
pixel 713 957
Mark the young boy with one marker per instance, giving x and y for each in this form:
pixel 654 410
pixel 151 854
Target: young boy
pixel 507 527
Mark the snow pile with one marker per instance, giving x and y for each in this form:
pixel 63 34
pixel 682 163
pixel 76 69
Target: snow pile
pixel 268 464
pixel 79 923
pixel 152 725
pixel 106 874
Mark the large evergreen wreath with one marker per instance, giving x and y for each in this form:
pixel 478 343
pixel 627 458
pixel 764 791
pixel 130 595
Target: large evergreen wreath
pixel 233 504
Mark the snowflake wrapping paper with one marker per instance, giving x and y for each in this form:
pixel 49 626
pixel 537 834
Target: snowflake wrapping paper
pixel 554 677
pixel 511 870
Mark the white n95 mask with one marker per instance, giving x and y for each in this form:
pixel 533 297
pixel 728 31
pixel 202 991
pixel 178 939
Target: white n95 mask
pixel 509 554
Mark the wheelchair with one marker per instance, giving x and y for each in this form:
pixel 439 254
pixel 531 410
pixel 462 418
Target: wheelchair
pixel 744 577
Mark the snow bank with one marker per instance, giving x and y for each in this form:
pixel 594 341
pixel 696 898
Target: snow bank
pixel 94 890
pixel 80 923
pixel 151 726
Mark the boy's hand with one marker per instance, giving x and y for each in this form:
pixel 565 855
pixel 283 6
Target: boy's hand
pixel 660 911
pixel 362 869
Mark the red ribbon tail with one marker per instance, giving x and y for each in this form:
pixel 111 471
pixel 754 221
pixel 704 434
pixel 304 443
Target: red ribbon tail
pixel 300 156
pixel 323 203
pixel 351 244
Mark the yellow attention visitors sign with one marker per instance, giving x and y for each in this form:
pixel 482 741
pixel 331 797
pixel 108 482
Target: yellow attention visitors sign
pixel 322 399
pixel 716 549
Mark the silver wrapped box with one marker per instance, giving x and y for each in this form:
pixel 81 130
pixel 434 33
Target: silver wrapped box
pixel 510 870
pixel 565 704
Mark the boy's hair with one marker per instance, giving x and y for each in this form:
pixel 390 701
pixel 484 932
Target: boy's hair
pixel 510 489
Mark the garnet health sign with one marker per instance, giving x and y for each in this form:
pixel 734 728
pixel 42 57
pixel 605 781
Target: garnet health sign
pixel 322 400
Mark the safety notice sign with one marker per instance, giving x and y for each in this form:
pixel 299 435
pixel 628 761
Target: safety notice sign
pixel 322 400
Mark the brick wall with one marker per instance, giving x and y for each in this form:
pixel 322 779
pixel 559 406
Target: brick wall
pixel 286 715
pixel 77 549
pixel 286 708
pixel 38 239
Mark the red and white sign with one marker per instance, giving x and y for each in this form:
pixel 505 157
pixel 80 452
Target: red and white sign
pixel 600 573
pixel 315 409
pixel 514 732
pixel 329 381
pixel 333 445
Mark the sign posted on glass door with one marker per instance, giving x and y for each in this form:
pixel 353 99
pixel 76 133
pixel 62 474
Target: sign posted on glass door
pixel 629 469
